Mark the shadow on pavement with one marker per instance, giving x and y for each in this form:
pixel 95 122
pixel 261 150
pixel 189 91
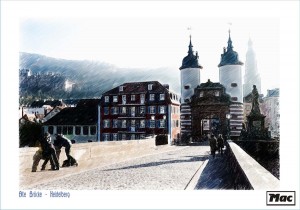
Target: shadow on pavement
pixel 216 175
pixel 163 162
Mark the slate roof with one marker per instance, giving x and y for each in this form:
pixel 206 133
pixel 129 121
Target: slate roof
pixel 229 57
pixel 85 113
pixel 191 60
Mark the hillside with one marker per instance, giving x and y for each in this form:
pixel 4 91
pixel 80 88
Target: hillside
pixel 89 78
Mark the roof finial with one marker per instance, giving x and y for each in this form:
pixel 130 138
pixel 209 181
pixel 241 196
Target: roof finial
pixel 229 47
pixel 190 45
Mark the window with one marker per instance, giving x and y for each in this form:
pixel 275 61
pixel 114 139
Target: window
pixel 132 122
pixel 162 123
pixel 150 86
pixel 59 129
pixel 151 97
pixel 106 137
pixel 123 136
pixel 162 109
pixel 142 98
pixel 234 98
pixel 93 130
pixel 106 123
pixel 70 130
pixel 217 93
pixel 152 109
pixel 132 97
pixel 77 130
pixel 123 110
pixel 162 97
pixel 115 136
pixel 201 93
pixel 106 99
pixel 132 111
pixel 132 137
pixel 106 110
pixel 186 87
pixel 114 110
pixel 85 130
pixel 115 123
pixel 65 130
pixel 115 98
pixel 123 123
pixel 177 123
pixel 152 123
pixel 234 85
pixel 50 129
pixel 123 99
pixel 142 124
pixel 121 88
pixel 142 110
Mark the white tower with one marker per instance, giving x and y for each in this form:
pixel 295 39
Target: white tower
pixel 190 79
pixel 230 73
pixel 252 76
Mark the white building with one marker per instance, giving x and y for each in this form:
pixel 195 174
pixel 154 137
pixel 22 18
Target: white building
pixel 230 76
pixel 190 79
pixel 251 76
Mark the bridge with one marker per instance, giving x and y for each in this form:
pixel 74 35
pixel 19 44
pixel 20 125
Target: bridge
pixel 140 165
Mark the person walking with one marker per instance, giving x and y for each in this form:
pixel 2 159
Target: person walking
pixel 213 145
pixel 60 142
pixel 220 142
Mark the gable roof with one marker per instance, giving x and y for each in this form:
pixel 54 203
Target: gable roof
pixel 85 113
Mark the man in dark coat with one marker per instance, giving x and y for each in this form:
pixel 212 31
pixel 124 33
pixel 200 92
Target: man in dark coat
pixel 213 145
pixel 49 152
pixel 220 142
pixel 60 142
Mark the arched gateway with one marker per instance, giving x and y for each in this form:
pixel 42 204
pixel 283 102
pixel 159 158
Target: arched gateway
pixel 209 106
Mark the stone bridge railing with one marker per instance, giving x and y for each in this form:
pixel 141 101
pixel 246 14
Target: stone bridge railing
pixel 247 173
pixel 104 152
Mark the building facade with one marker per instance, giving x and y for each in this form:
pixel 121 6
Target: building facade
pixel 270 108
pixel 230 76
pixel 138 110
pixel 252 76
pixel 80 123
pixel 190 79
pixel 209 106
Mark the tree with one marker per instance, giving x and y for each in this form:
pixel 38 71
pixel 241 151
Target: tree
pixel 29 134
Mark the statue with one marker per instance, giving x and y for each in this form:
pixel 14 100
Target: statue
pixel 255 106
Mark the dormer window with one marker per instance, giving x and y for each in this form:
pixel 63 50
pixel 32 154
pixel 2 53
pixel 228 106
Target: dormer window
pixel 234 98
pixel 151 97
pixel 150 86
pixel 121 88
pixel 106 99
pixel 233 85
pixel 217 93
pixel 162 97
pixel 201 93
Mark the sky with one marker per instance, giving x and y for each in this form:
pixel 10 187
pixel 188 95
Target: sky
pixel 155 42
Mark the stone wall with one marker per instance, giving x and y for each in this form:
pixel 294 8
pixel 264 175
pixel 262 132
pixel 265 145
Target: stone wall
pixel 247 173
pixel 110 151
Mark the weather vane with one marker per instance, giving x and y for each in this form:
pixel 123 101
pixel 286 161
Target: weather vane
pixel 189 29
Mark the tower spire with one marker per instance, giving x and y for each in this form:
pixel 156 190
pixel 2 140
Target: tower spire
pixel 190 52
pixel 229 47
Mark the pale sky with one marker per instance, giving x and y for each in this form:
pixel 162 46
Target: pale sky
pixel 155 42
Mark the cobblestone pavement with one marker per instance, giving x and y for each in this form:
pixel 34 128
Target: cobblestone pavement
pixel 166 171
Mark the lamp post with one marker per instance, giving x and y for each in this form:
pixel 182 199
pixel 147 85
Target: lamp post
pixel 164 117
pixel 228 116
pixel 152 118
